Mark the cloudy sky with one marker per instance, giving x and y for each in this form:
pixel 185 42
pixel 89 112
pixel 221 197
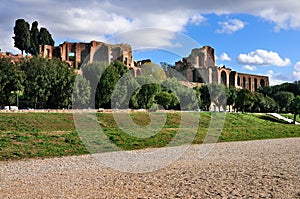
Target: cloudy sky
pixel 259 37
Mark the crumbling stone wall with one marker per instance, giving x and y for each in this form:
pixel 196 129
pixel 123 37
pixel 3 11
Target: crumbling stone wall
pixel 77 53
pixel 200 67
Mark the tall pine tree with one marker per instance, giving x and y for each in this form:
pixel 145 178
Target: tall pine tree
pixel 45 37
pixel 22 35
pixel 34 39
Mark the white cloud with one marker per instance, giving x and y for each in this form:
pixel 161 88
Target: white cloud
pixel 99 19
pixel 297 66
pixel 248 67
pixel 296 72
pixel 264 58
pixel 224 57
pixel 231 26
pixel 277 78
pixel 197 19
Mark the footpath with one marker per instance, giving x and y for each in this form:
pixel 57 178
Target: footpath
pixel 282 118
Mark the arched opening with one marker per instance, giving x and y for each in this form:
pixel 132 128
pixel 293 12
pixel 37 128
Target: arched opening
pixel 262 83
pixel 249 84
pixel 238 81
pixel 197 77
pixel 255 84
pixel 232 79
pixel 138 72
pixel 132 71
pixel 244 82
pixel 223 77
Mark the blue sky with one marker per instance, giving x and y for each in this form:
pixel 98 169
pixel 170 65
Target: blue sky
pixel 258 37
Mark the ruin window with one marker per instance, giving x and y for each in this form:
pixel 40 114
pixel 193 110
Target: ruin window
pixel 239 81
pixel 249 84
pixel 262 83
pixel 125 60
pixel 244 82
pixel 47 53
pixel 232 79
pixel 255 84
pixel 71 56
pixel 224 77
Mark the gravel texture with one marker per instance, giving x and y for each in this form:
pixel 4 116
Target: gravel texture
pixel 251 169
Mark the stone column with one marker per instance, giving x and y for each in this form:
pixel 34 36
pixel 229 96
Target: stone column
pixel 209 75
pixel 227 78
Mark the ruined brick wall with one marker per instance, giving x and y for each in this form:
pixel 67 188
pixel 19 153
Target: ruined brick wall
pixel 77 53
pixel 201 68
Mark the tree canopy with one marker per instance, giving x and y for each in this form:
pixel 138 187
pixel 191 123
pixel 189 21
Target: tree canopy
pixel 22 35
pixel 28 40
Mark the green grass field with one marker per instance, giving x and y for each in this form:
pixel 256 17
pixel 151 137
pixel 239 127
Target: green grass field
pixel 40 135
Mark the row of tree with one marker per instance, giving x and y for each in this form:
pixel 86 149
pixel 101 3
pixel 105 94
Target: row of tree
pixel 44 83
pixel 36 82
pixel 29 39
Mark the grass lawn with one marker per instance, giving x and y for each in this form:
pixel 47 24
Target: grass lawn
pixel 32 135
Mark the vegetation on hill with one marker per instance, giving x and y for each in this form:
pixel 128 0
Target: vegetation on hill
pixel 31 135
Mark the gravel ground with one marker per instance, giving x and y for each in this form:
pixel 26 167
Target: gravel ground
pixel 252 169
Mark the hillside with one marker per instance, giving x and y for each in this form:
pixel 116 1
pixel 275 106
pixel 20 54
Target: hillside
pixel 31 135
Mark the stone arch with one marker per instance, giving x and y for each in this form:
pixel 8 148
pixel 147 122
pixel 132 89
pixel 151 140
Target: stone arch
pixel 249 84
pixel 133 72
pixel 255 84
pixel 224 78
pixel 238 81
pixel 138 72
pixel 262 83
pixel 244 82
pixel 232 79
pixel 197 76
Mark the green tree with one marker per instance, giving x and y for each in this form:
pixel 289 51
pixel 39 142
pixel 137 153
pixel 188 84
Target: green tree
pixel 218 95
pixel 231 95
pixel 123 91
pixel 81 92
pixel 37 79
pixel 22 35
pixel 175 102
pixel 164 99
pixel 62 79
pixel 45 37
pixel 198 95
pixel 106 87
pixel 11 81
pixel 271 105
pixel 295 107
pixel 245 100
pixel 145 96
pixel 284 100
pixel 155 71
pixel 93 72
pixel 34 39
pixel 205 97
pixel 121 68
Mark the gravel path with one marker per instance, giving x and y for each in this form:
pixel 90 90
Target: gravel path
pixel 252 169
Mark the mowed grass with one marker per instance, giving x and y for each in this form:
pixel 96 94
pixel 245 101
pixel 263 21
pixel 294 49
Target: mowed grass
pixel 41 135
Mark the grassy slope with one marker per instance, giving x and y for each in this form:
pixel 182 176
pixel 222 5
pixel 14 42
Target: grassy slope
pixel 27 135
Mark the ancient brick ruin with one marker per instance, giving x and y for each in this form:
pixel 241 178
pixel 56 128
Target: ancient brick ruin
pixel 200 67
pixel 13 58
pixel 77 53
